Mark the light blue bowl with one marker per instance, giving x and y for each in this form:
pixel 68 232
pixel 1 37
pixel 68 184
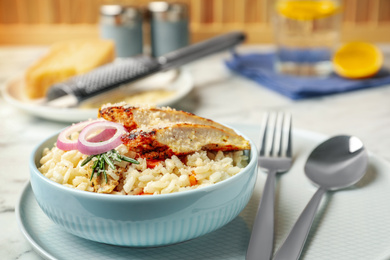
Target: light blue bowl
pixel 142 221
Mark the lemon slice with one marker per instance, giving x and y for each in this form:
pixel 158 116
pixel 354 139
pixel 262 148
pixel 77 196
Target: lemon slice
pixel 307 9
pixel 357 60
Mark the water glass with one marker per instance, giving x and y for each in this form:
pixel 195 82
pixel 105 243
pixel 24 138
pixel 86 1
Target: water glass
pixel 306 33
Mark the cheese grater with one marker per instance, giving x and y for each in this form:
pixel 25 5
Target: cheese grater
pixel 110 76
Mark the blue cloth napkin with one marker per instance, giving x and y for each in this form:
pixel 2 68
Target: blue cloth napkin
pixel 260 68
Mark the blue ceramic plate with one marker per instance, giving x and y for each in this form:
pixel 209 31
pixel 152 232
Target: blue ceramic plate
pixel 355 224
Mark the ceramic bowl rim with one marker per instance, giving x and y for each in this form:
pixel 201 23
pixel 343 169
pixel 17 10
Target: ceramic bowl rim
pixel 93 195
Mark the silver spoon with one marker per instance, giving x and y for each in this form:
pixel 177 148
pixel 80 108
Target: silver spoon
pixel 337 163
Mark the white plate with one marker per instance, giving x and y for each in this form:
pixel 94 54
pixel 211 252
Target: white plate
pixel 355 224
pixel 180 82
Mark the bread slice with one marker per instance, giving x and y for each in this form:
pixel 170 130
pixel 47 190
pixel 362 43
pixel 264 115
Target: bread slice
pixel 64 60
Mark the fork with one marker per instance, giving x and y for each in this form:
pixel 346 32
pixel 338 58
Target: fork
pixel 274 157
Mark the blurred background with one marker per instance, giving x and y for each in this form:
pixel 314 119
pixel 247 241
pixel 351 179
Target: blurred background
pixel 31 22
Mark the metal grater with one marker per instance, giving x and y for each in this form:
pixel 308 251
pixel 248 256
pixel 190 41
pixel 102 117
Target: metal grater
pixel 104 77
pixel 108 77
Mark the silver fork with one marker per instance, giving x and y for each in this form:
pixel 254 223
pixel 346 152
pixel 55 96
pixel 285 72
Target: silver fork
pixel 275 156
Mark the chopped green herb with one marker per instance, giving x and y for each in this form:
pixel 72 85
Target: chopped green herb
pixel 89 158
pixel 101 160
pixel 108 161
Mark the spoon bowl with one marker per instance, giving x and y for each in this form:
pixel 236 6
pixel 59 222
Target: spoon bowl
pixel 337 163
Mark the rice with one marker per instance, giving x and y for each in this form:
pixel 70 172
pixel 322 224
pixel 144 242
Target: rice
pixel 175 174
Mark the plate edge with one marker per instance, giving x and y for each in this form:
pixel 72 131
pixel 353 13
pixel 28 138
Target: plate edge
pixel 35 246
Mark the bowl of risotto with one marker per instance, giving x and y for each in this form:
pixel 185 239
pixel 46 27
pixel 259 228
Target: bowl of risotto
pixel 143 177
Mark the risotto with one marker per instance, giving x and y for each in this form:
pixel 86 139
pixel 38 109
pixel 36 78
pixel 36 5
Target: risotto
pixel 199 169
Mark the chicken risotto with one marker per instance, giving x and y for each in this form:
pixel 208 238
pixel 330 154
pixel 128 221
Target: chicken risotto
pixel 144 151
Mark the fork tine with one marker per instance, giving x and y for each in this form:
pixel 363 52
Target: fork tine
pixel 287 130
pixel 279 134
pixel 272 125
pixel 264 134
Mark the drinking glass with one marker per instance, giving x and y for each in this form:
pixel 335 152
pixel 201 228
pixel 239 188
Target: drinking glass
pixel 306 33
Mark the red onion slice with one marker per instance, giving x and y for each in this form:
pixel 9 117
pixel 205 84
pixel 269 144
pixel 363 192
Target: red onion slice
pixel 88 147
pixel 102 136
pixel 63 141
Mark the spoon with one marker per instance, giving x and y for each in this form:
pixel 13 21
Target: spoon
pixel 337 163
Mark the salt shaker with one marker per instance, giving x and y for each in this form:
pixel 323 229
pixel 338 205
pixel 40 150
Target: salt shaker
pixel 168 27
pixel 122 24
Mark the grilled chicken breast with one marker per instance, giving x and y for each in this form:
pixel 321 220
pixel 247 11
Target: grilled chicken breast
pixel 135 117
pixel 181 139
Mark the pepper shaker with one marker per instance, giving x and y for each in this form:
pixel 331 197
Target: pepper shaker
pixel 168 27
pixel 122 24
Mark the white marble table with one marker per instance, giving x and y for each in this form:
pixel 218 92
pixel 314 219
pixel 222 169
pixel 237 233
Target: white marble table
pixel 218 95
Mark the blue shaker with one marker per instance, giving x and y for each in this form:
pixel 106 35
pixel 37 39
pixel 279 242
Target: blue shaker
pixel 168 27
pixel 123 25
